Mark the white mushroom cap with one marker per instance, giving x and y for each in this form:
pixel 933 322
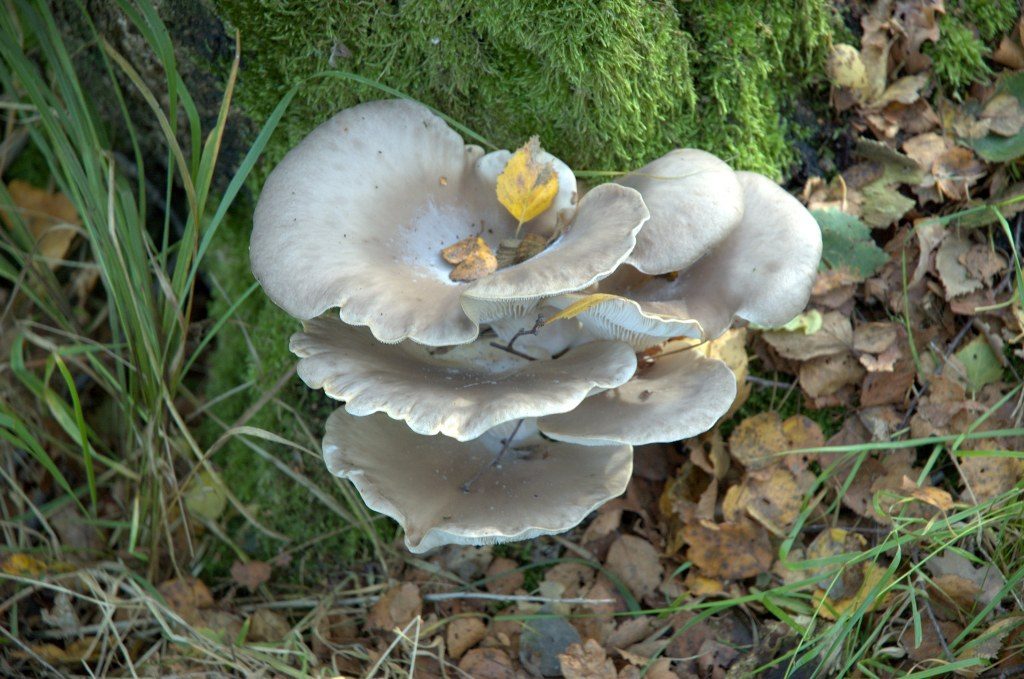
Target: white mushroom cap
pixel 680 396
pixel 695 201
pixel 602 234
pixel 762 271
pixel 459 392
pixel 540 487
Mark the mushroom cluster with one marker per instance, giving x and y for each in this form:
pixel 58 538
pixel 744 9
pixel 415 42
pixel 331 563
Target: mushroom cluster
pixel 507 405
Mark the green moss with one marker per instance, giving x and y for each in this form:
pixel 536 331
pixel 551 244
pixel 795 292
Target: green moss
pixel 968 31
pixel 608 85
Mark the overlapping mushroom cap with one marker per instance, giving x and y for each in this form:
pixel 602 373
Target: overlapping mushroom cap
pixel 464 418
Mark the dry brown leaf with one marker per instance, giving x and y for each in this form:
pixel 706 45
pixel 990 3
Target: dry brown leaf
pixel 729 550
pixel 834 337
pixel 823 377
pixel 503 576
pixel 756 440
pixel 588 661
pixel 472 257
pixel 772 497
pixel 487 663
pixel 22 565
pixel 988 477
pixel 250 575
pixel 730 348
pixel 526 187
pixel 267 626
pixel 986 579
pixel 396 608
pixel 186 596
pixel 637 563
pixel 956 171
pixel 51 218
pixel 956 279
pixel 463 634
pixel 1004 115
pixel 930 495
pixel 931 647
pixel 78 651
pixel 874 577
pixel 1010 53
pixel 835 544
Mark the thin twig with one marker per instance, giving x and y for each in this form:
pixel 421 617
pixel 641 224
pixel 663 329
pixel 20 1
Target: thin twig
pixel 497 458
pixel 537 325
pixel 761 382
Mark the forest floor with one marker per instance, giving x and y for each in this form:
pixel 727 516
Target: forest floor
pixel 857 513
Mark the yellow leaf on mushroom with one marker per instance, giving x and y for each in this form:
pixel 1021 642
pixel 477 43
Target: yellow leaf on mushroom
pixel 527 187
pixel 577 308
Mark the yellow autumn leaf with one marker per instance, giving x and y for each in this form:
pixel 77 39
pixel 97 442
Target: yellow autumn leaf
pixel 526 187
pixel 577 308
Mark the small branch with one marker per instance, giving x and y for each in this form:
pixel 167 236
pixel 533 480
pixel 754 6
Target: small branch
pixel 537 325
pixel 761 382
pixel 497 458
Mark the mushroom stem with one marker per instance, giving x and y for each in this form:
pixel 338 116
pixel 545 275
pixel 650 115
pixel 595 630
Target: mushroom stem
pixel 497 458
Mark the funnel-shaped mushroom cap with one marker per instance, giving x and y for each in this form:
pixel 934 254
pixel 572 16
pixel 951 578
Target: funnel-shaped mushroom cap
pixel 539 487
pixel 356 216
pixel 602 234
pixel 762 271
pixel 460 391
pixel 695 201
pixel 681 395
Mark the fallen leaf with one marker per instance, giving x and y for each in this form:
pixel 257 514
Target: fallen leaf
pixel 22 565
pixel 588 661
pixel 396 608
pixel 205 496
pixel 186 597
pixel 268 626
pixel 931 647
pixel 955 277
pixel 835 547
pixel 980 362
pixel 77 652
pixel 637 563
pixel 487 663
pixel 989 476
pixel 875 578
pixel 526 187
pixel 756 440
pixel 825 376
pixel 730 348
pixel 51 218
pixel 463 634
pixel 251 574
pixel 772 497
pixel 472 257
pixel 835 336
pixel 732 550
pixel 1004 114
pixel 847 242
pixel 988 580
pixel 503 576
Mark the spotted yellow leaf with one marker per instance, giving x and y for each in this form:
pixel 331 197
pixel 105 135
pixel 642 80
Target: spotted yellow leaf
pixel 526 186
pixel 578 307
